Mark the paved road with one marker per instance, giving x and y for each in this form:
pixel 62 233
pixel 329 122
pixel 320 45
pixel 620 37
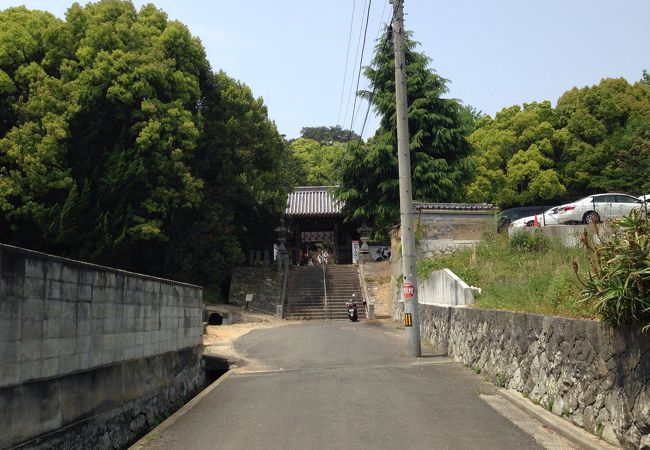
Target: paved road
pixel 337 385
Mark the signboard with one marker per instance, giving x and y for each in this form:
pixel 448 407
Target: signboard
pixel 408 291
pixel 355 252
pixel 408 320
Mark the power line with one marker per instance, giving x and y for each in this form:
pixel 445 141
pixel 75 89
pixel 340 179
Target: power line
pixel 365 119
pixel 363 47
pixel 347 57
pixel 356 58
pixel 372 95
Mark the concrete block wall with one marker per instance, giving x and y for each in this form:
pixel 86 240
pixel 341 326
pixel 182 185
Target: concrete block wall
pixel 60 317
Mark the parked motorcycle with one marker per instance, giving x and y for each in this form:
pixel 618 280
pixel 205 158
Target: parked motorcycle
pixel 383 253
pixel 351 306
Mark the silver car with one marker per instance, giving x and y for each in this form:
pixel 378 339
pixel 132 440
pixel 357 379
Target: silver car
pixel 597 208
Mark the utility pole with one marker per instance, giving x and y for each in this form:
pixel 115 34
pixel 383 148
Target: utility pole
pixel 410 281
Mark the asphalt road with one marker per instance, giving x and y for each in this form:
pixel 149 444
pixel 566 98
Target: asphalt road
pixel 338 385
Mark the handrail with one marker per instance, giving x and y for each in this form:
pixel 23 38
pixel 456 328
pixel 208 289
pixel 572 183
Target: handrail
pixel 325 308
pixel 283 293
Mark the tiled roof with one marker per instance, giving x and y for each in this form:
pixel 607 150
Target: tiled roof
pixel 454 206
pixel 313 201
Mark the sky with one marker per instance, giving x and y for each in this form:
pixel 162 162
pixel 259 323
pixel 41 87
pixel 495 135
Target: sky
pixel 495 54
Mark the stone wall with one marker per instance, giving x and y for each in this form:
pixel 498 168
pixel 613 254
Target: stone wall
pixel 442 231
pixel 264 282
pixel 596 377
pixel 379 287
pixel 80 342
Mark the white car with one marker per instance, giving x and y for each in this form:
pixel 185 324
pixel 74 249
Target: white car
pixel 645 198
pixel 596 208
pixel 548 218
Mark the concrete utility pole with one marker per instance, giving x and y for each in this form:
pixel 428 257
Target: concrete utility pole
pixel 409 288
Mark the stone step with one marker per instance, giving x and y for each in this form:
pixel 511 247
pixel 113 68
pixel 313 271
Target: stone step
pixel 321 316
pixel 306 296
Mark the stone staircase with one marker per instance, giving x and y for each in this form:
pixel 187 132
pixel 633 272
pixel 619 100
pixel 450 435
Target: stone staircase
pixel 306 292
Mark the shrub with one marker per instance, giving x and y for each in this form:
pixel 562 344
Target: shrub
pixel 618 282
pixel 535 241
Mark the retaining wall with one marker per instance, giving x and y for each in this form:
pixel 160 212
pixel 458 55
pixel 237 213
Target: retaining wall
pixel 264 282
pixel 90 353
pixel 594 376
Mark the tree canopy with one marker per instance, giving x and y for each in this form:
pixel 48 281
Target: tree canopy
pixel 440 151
pixel 328 135
pixel 596 139
pixel 317 161
pixel 119 145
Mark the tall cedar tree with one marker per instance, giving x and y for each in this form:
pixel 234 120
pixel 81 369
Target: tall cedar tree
pixel 440 152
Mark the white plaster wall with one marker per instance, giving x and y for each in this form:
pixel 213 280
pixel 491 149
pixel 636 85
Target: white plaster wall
pixel 443 287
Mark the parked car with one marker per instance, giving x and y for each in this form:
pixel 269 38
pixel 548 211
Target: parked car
pixel 646 203
pixel 506 217
pixel 596 208
pixel 549 217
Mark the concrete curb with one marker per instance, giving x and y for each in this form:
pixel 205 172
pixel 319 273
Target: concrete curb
pixel 151 436
pixel 564 428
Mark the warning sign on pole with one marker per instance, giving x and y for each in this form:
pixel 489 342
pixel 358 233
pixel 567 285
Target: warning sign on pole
pixel 408 320
pixel 408 290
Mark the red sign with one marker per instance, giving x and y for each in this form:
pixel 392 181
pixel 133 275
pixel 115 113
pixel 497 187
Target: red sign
pixel 408 290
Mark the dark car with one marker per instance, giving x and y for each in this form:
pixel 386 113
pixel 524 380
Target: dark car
pixel 505 217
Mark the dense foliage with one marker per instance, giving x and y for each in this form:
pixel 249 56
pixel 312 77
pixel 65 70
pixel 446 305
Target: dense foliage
pixel 317 161
pixel 119 145
pixel 328 135
pixel 440 162
pixel 618 283
pixel 597 139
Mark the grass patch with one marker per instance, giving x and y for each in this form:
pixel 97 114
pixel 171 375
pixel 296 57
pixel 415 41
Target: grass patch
pixel 518 278
pixel 501 379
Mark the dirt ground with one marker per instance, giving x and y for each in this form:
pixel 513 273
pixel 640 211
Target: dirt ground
pixel 219 339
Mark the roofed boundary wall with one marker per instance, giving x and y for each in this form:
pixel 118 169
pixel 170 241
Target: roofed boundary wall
pixel 91 357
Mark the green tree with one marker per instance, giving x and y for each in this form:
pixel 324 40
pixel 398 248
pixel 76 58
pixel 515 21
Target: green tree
pixel 247 171
pixel 440 152
pixel 120 146
pixel 317 161
pixel 608 137
pixel 328 135
pixel 33 122
pixel 516 154
pixel 470 116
